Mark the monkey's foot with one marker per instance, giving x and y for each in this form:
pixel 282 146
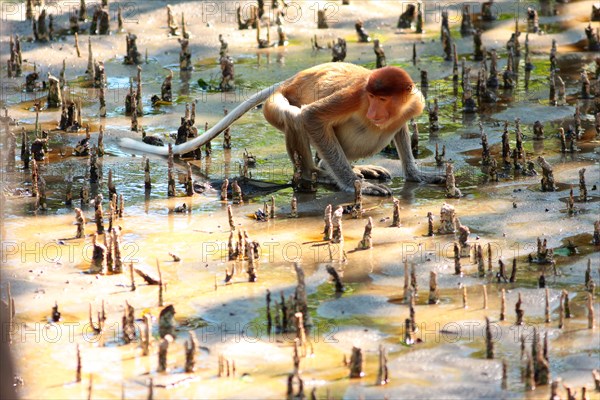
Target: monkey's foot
pixel 375 189
pixel 372 172
pixel 426 178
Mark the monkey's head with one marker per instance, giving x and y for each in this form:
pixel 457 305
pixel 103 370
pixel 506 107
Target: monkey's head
pixel 389 91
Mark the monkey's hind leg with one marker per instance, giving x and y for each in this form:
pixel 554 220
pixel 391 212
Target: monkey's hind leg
pixel 298 145
pixel 286 117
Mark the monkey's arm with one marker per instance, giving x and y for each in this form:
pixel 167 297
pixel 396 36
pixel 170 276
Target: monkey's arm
pixel 402 143
pixel 318 119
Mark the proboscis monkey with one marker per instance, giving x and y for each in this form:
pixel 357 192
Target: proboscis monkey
pixel 343 111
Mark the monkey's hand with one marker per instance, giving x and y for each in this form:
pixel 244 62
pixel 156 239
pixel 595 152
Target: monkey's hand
pixel 412 171
pixel 375 189
pixel 367 188
pixel 372 172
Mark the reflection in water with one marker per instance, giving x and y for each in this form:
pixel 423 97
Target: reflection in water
pixel 455 105
pixel 147 201
pixel 184 77
pixel 468 119
pixel 226 163
pixel 207 165
pixel 407 193
pixel 538 146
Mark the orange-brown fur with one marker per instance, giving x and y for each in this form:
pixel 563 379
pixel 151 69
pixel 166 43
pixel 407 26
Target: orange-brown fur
pixel 325 107
pixel 343 111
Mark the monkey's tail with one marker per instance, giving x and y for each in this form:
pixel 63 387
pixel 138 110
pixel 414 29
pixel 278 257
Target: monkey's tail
pixel 209 134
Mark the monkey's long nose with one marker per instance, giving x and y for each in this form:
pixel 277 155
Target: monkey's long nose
pixel 373 115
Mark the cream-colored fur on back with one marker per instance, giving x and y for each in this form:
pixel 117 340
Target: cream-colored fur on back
pixel 358 137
